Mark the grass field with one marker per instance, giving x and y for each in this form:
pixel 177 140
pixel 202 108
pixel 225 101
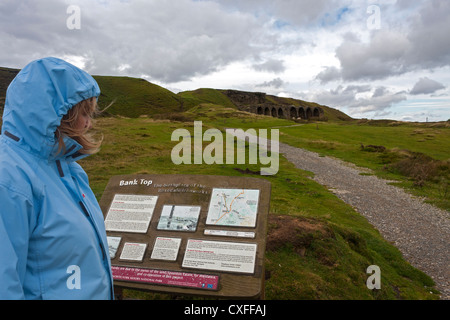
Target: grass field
pixel 321 249
pixel 416 155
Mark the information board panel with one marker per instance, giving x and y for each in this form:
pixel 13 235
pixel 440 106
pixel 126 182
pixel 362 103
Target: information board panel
pixel 130 213
pixel 166 278
pixel 166 248
pixel 188 234
pixel 221 256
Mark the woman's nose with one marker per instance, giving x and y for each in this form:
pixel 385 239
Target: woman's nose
pixel 88 124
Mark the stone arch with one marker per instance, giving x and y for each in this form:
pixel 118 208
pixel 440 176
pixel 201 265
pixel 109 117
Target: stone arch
pixel 288 112
pixel 316 112
pixel 260 110
pixel 274 112
pixel 293 113
pixel 280 113
pixel 301 113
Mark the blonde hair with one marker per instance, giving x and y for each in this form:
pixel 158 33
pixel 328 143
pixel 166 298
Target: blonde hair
pixel 68 127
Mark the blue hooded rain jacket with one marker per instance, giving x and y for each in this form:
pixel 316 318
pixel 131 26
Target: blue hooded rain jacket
pixel 52 236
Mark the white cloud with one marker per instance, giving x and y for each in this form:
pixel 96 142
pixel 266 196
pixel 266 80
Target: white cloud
pixel 420 43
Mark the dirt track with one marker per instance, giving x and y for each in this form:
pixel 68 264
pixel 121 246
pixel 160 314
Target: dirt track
pixel 420 231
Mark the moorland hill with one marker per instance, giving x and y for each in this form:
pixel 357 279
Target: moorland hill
pixel 133 97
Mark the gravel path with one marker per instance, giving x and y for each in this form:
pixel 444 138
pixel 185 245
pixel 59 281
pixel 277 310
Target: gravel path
pixel 420 231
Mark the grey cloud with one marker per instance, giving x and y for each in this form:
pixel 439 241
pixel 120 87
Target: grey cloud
pixel 169 42
pixel 429 33
pixel 182 39
pixel 378 102
pixel 276 83
pixel 31 29
pixel 392 51
pixel 328 75
pixel 304 12
pixel 293 12
pixel 339 97
pixel 354 89
pixel 426 86
pixel 384 56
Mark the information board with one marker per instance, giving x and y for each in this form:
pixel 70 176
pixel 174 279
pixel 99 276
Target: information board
pixel 188 234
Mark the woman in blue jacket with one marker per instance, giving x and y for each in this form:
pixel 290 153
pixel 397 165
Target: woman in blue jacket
pixel 52 236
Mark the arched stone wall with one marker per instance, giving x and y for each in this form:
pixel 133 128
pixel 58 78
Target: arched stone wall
pixel 287 112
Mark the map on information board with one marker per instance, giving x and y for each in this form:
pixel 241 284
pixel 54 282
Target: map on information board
pixel 233 207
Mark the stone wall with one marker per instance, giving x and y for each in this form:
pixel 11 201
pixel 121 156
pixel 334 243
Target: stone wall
pixel 290 112
pixel 257 102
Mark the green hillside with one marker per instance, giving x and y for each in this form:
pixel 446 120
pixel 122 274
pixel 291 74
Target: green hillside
pixel 240 100
pixel 206 95
pixel 133 97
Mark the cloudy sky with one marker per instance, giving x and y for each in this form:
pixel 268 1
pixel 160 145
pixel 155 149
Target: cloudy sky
pixel 370 59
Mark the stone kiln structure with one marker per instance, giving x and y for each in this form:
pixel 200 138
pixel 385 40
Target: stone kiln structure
pixel 256 102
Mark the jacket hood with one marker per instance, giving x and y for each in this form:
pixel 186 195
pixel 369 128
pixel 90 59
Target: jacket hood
pixel 37 99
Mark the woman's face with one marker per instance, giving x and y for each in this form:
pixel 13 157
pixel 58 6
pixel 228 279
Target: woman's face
pixel 83 122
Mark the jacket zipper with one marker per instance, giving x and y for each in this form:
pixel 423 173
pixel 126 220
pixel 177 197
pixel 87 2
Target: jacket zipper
pixel 86 212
